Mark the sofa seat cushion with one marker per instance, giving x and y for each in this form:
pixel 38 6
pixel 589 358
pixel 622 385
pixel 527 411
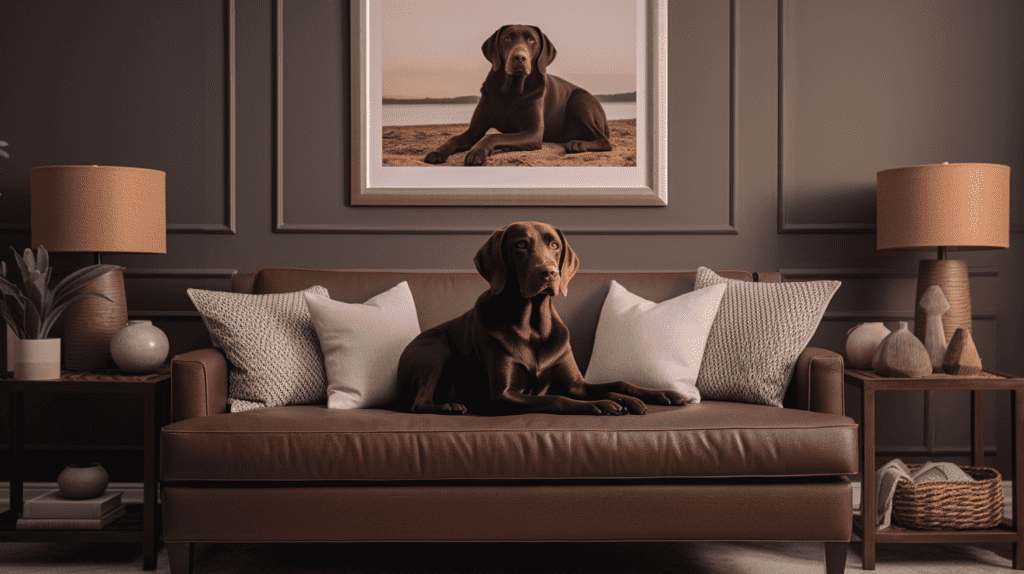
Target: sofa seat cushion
pixel 313 443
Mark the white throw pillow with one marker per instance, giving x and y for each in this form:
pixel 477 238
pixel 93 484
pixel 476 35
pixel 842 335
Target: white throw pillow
pixel 758 335
pixel 653 345
pixel 270 342
pixel 362 345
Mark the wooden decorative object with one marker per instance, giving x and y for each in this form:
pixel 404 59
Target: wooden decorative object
pixel 951 276
pixel 962 358
pixel 90 323
pixel 902 354
pixel 934 304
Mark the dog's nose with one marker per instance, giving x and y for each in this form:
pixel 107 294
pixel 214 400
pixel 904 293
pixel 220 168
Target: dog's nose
pixel 519 58
pixel 549 273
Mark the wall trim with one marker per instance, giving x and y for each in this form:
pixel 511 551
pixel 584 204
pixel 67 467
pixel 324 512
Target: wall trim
pixel 283 226
pixel 871 273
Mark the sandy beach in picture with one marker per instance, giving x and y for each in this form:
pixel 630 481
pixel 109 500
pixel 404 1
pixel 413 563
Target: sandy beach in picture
pixel 408 145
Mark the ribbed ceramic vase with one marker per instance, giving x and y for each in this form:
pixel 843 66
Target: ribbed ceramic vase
pixel 861 343
pixel 139 347
pixel 36 359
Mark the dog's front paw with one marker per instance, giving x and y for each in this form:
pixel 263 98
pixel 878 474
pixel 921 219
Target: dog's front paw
pixel 670 398
pixel 436 158
pixel 574 146
pixel 608 407
pixel 476 157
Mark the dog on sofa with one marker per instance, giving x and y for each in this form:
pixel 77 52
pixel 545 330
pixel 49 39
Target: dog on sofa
pixel 510 353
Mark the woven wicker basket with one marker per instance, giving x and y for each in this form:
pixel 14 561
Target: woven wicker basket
pixel 935 505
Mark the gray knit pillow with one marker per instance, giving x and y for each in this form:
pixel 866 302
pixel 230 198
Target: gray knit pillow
pixel 272 346
pixel 757 336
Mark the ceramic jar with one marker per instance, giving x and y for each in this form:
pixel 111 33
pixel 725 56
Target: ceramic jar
pixel 35 359
pixel 861 343
pixel 901 354
pixel 81 481
pixel 139 347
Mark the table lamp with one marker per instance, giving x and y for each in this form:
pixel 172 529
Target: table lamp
pixel 82 208
pixel 958 206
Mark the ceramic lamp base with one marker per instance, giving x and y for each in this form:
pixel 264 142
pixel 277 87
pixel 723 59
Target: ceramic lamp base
pixel 90 323
pixel 950 275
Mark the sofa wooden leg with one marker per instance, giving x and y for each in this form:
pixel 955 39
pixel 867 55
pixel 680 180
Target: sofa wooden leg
pixel 835 557
pixel 180 554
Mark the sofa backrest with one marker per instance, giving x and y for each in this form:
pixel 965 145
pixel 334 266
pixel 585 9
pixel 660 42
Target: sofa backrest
pixel 443 295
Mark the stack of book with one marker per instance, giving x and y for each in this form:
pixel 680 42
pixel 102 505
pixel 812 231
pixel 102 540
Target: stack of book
pixel 51 511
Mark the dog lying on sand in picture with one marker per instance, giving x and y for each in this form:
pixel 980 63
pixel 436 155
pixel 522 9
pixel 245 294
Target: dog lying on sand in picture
pixel 523 116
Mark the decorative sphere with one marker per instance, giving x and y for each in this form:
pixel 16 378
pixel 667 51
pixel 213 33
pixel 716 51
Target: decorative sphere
pixel 82 481
pixel 139 347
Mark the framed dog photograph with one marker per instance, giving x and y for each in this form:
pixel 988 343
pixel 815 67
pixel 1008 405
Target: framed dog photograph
pixel 532 102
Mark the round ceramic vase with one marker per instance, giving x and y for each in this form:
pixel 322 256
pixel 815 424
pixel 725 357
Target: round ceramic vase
pixel 139 347
pixel 36 359
pixel 82 481
pixel 902 354
pixel 862 342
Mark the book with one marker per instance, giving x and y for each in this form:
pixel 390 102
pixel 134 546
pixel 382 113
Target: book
pixel 53 505
pixel 71 523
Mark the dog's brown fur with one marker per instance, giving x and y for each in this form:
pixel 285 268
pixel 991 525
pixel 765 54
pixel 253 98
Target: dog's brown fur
pixel 511 353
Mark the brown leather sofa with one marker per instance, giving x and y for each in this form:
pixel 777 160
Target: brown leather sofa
pixel 709 471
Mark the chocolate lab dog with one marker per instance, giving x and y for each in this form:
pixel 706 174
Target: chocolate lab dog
pixel 510 353
pixel 526 104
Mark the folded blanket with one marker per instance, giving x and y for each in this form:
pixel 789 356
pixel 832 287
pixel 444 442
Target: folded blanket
pixel 887 477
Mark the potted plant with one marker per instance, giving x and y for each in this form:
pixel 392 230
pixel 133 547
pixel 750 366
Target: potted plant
pixel 30 309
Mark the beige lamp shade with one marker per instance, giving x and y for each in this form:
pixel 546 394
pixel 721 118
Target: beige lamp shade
pixel 98 209
pixel 961 206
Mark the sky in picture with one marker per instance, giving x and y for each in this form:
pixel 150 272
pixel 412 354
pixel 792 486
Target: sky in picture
pixel 432 48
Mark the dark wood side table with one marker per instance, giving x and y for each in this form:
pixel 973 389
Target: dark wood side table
pixel 140 523
pixel 1011 531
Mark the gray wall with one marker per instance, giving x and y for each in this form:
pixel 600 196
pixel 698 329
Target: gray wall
pixel 780 113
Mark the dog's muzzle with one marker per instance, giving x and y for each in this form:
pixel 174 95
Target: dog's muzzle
pixel 518 61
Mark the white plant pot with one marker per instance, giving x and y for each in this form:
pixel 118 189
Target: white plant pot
pixel 36 359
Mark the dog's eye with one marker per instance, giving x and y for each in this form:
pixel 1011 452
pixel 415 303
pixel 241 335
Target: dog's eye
pixel 521 244
pixel 531 39
pixel 555 245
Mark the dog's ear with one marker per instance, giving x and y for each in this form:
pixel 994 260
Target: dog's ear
pixel 547 52
pixel 492 49
pixel 490 261
pixel 569 264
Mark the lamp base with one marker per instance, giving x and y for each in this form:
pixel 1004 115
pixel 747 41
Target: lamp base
pixel 90 323
pixel 951 276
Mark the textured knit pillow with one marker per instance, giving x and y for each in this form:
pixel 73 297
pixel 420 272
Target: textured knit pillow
pixel 362 345
pixel 657 346
pixel 271 344
pixel 759 333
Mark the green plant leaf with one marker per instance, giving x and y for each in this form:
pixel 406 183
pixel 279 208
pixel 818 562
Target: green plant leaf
pixel 42 260
pixel 30 261
pixel 22 266
pixel 9 318
pixel 81 278
pixel 58 310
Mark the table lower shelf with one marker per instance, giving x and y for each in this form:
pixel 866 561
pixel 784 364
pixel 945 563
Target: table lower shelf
pixel 128 528
pixel 895 534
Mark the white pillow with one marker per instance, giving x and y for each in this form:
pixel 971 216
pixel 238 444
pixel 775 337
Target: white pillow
pixel 657 346
pixel 362 345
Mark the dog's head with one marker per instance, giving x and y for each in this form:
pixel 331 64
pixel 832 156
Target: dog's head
pixel 519 49
pixel 535 255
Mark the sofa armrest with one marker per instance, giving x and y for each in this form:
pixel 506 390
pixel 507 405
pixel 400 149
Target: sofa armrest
pixel 199 384
pixel 819 381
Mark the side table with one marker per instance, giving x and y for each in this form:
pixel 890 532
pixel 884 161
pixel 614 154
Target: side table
pixel 140 523
pixel 1010 531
